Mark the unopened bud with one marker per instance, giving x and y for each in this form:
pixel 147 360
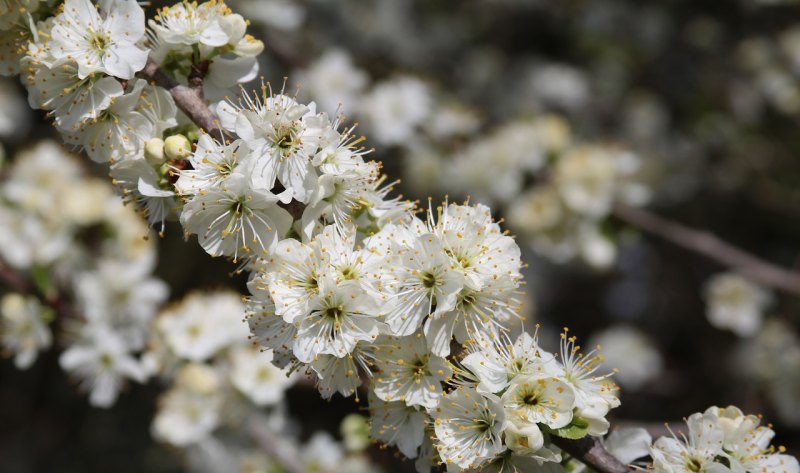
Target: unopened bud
pixel 177 147
pixel 249 47
pixel 154 151
pixel 235 26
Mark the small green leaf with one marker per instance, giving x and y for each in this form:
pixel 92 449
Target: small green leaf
pixel 577 429
pixel 41 279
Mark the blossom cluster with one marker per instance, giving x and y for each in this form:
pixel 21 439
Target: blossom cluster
pixel 512 398
pixel 562 216
pixel 347 284
pixel 722 440
pixel 81 66
pixel 88 248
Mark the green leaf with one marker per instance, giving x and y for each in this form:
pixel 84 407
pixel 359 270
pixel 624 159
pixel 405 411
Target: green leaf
pixel 577 429
pixel 41 279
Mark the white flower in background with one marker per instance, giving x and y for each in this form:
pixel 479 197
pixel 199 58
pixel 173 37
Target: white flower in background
pixel 736 303
pixel 406 371
pixel 257 378
pixel 560 85
pixel 322 453
pixel 100 44
pixel 286 15
pixel 468 427
pixel 531 400
pixel 494 168
pixel 396 423
pixel 340 316
pixel 631 353
pixel 393 109
pixel 452 119
pixel 26 240
pixel 333 81
pixel 121 296
pixel 25 330
pixel 202 324
pixel 236 220
pixel 44 166
pixel 535 211
pixel 190 410
pixel 102 362
pixel 15 114
pixel 586 179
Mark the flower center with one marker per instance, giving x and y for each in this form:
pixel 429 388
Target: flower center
pixel 99 41
pixel 429 280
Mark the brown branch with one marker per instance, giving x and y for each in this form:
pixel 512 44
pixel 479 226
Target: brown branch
pixel 713 247
pixel 188 98
pixel 590 451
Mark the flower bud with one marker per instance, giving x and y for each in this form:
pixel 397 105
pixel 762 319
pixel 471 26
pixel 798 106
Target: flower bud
pixel 235 26
pixel 177 147
pixel 249 47
pixel 154 151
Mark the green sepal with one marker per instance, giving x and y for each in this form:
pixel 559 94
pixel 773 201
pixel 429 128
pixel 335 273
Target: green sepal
pixel 577 429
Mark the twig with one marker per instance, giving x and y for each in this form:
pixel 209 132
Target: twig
pixel 275 448
pixel 711 246
pixel 188 98
pixel 590 451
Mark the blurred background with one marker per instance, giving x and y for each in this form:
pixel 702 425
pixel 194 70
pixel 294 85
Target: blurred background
pixel 690 106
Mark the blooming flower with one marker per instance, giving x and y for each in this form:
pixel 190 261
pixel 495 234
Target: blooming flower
pixel 101 44
pixel 103 362
pixel 736 303
pixel 24 328
pixel 468 427
pixel 236 220
pixel 407 372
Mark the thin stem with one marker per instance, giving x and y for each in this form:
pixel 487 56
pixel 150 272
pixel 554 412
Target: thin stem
pixel 711 246
pixel 590 451
pixel 188 98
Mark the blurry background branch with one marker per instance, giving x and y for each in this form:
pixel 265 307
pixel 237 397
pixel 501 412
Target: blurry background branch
pixel 711 246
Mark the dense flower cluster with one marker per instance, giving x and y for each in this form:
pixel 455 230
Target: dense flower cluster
pixel 347 284
pixel 86 247
pixel 722 440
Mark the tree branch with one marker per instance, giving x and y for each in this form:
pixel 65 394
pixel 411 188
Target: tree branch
pixel 713 247
pixel 590 451
pixel 188 98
